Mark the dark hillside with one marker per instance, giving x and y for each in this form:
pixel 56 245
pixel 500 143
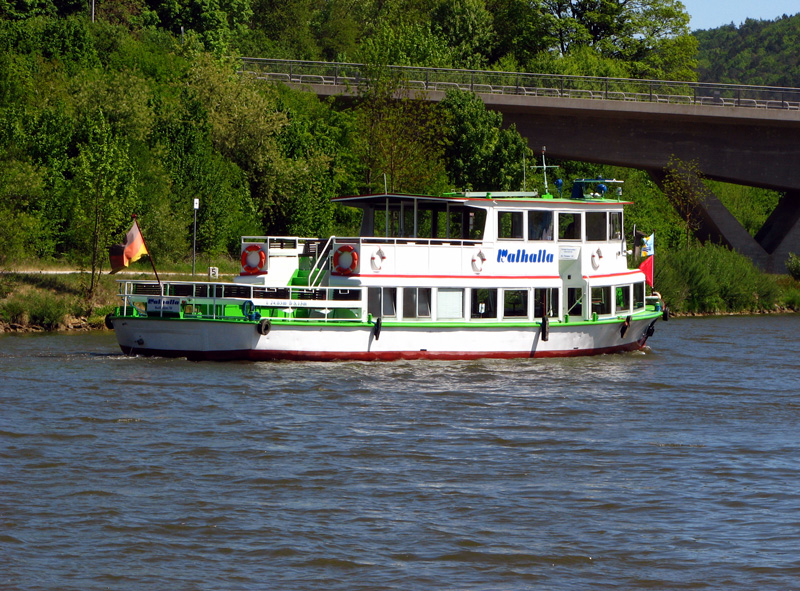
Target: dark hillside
pixel 756 52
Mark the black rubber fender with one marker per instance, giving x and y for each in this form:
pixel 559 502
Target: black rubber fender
pixel 377 330
pixel 109 321
pixel 545 328
pixel 625 326
pixel 264 326
pixel 665 313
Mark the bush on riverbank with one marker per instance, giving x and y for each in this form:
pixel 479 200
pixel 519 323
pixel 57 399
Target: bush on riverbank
pixel 53 302
pixel 713 279
pixel 793 266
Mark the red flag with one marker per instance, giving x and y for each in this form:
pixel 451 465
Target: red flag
pixel 647 268
pixel 131 250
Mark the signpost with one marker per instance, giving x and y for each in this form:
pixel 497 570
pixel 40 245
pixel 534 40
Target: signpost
pixel 194 236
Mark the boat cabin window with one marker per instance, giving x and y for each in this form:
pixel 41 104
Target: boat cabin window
pixel 615 225
pixel 545 302
pixel 623 299
pixel 601 300
pixel 398 220
pixel 575 301
pixel 476 223
pixel 449 304
pixel 569 226
pixel 540 225
pixel 382 302
pixel 638 296
pixel 515 303
pixel 484 303
pixel 416 302
pixel 596 226
pixel 509 225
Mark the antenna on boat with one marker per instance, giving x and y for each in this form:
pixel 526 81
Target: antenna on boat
pixel 544 167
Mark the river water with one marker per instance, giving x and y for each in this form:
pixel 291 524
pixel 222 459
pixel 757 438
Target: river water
pixel 675 468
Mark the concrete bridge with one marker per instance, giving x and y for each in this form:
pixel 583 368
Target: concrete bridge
pixel 747 135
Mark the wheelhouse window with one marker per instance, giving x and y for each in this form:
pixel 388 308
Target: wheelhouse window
pixel 596 226
pixel 416 302
pixel 540 225
pixel 382 301
pixel 545 302
pixel 509 225
pixel 515 303
pixel 569 226
pixel 601 300
pixel 638 296
pixel 615 225
pixel 623 299
pixel 484 303
pixel 476 223
pixel 449 304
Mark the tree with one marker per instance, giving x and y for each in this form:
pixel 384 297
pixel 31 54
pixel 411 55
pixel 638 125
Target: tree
pixel 401 142
pixel 650 36
pixel 466 26
pixel 480 154
pixel 105 194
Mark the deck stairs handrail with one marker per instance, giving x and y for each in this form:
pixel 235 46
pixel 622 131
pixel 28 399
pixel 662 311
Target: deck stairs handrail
pixel 316 272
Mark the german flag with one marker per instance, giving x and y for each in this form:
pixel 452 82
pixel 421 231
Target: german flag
pixel 122 255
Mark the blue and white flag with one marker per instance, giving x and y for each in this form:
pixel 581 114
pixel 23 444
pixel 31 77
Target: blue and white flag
pixel 647 246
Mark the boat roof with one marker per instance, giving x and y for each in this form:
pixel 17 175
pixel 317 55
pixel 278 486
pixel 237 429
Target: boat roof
pixel 482 197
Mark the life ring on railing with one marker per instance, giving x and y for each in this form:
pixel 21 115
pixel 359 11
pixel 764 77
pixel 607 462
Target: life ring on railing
pixel 596 256
pixel 341 265
pixel 477 261
pixel 377 259
pixel 249 269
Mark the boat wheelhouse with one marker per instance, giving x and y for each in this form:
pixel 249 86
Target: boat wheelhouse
pixel 458 276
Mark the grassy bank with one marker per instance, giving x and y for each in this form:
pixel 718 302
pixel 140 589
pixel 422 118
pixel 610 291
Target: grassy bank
pixel 53 297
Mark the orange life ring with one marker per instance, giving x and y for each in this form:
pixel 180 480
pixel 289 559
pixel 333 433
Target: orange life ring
pixel 339 268
pixel 247 268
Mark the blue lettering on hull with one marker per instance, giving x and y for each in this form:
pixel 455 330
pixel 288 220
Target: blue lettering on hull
pixel 523 256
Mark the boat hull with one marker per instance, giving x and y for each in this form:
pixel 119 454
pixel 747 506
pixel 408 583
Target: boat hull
pixel 221 340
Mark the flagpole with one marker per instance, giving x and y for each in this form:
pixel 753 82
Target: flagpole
pixel 149 256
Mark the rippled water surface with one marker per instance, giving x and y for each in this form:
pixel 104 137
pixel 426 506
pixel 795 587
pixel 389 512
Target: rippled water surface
pixel 677 468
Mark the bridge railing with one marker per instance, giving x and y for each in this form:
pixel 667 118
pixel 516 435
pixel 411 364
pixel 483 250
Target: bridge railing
pixel 357 76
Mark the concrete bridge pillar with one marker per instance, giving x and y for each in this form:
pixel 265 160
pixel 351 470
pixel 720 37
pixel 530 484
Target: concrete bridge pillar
pixel 771 246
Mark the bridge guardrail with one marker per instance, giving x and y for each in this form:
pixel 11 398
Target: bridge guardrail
pixel 521 83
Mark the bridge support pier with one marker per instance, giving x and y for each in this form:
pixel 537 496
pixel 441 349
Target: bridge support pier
pixel 771 246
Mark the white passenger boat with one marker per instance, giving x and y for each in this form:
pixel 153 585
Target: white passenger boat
pixel 460 276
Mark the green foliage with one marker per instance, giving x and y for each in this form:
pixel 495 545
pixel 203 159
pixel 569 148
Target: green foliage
pixel 757 52
pixel 37 308
pixel 712 279
pixel 793 266
pixel 751 206
pixel 480 154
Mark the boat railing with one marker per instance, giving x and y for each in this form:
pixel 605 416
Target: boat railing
pixel 317 269
pixel 236 301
